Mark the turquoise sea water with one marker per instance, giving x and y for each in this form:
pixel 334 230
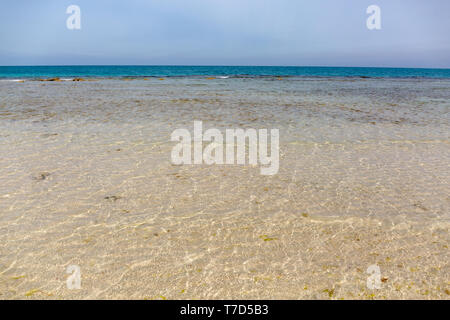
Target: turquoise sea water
pixel 19 72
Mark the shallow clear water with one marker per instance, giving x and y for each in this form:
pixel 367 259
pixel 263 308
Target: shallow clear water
pixel 86 179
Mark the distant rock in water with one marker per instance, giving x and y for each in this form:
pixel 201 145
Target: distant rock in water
pixel 47 135
pixel 113 198
pixel 41 176
pixel 51 79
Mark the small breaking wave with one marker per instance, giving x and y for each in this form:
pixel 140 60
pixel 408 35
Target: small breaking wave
pixel 13 80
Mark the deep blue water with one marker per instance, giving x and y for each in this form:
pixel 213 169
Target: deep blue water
pixel 20 72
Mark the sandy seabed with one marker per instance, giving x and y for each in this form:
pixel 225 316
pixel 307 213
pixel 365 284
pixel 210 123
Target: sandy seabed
pixel 86 180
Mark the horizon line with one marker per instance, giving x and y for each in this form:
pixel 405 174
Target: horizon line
pixel 211 65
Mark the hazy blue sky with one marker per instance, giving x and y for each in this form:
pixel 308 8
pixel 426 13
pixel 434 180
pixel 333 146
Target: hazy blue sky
pixel 415 33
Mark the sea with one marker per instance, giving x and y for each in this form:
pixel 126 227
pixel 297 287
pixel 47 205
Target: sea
pixel 104 71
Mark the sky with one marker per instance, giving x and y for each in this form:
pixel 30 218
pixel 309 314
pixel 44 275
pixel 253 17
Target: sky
pixel 414 33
